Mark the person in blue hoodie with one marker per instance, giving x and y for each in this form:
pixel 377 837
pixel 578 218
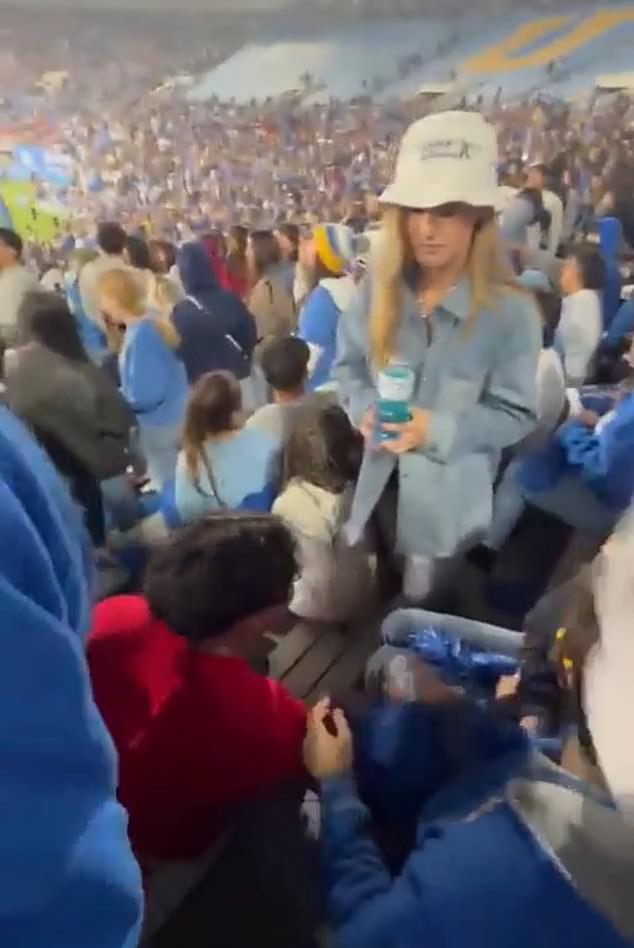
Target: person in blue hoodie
pixel 153 377
pixel 585 475
pixel 620 328
pixel 610 239
pixel 618 316
pixel 217 331
pixel 440 826
pixel 68 875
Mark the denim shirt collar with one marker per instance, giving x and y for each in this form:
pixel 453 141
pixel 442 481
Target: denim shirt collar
pixel 457 302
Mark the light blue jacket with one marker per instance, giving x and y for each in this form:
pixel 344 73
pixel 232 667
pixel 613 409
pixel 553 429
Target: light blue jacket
pixel 245 470
pixel 318 325
pixel 478 380
pixel 153 378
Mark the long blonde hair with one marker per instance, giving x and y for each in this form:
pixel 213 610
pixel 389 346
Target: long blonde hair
pixel 129 290
pixel 486 268
pixel 163 294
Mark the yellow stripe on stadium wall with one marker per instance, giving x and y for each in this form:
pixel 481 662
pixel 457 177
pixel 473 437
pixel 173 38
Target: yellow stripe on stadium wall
pixel 500 58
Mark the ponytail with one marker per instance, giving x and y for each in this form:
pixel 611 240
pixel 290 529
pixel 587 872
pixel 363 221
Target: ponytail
pixel 130 290
pixel 167 331
pixel 214 402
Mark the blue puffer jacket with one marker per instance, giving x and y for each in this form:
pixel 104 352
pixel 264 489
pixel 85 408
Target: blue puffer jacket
pixel 500 855
pixel 603 459
pixel 217 330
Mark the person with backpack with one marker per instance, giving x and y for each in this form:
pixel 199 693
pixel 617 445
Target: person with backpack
pixel 217 330
pixel 269 300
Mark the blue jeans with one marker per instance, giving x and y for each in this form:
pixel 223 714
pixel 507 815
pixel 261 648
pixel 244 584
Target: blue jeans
pixel 160 446
pixel 491 638
pixel 400 624
pixel 576 505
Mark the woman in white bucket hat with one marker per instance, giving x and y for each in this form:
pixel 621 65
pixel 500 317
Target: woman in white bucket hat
pixel 441 326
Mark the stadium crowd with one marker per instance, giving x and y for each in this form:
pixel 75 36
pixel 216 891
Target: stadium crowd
pixel 244 395
pixel 140 153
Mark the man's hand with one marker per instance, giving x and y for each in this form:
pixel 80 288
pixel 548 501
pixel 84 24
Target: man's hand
pixel 588 418
pixel 327 755
pixel 410 436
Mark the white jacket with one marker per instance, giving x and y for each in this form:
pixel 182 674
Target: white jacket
pixel 334 577
pixel 578 334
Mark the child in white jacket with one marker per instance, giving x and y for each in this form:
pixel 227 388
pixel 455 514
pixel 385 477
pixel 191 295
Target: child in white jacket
pixel 321 463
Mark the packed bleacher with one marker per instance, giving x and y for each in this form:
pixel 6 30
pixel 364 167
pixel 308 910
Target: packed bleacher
pixel 316 474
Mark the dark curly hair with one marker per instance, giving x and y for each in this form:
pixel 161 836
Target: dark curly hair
pixel 324 449
pixel 220 570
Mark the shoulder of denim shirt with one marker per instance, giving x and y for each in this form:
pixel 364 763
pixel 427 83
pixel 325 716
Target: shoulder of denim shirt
pixel 510 302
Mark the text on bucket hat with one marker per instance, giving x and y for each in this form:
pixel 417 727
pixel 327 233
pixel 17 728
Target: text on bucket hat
pixel 335 246
pixel 447 158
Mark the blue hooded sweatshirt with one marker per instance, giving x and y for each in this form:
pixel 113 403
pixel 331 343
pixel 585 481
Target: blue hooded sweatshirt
pixel 68 876
pixel 621 325
pixel 499 853
pixel 217 330
pixel 610 237
pixel 602 459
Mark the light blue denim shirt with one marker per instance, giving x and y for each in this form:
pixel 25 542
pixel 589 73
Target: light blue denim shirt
pixel 477 377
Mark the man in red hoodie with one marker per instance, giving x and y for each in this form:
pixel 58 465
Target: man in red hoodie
pixel 196 729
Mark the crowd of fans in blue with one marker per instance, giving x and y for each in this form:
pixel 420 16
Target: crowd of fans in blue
pixel 196 449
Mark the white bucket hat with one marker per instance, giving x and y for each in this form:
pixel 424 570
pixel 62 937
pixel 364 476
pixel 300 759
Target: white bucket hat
pixel 446 158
